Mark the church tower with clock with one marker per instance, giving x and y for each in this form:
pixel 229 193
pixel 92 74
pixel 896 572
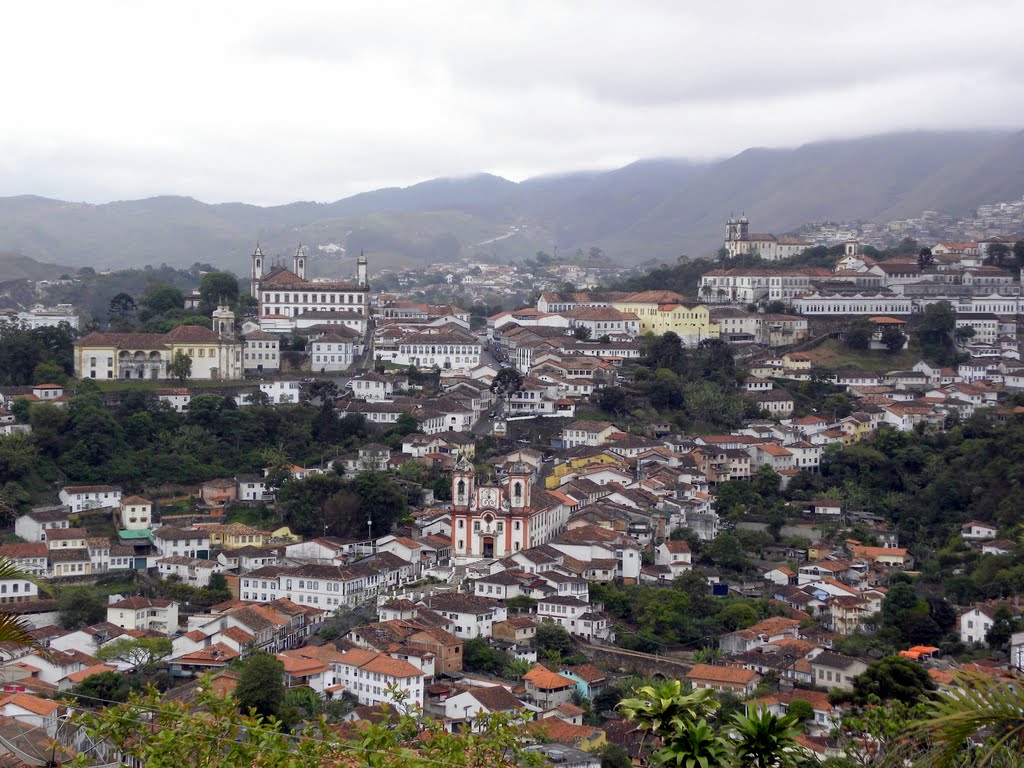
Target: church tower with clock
pixel 495 520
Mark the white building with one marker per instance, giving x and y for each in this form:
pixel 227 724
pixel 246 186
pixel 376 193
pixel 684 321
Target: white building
pixel 49 317
pixel 181 542
pixel 190 570
pixel 261 351
pixel 79 497
pixel 144 613
pixel 136 513
pixel 33 526
pixel 449 351
pixel 372 677
pixel 975 624
pixel 281 392
pixel 333 351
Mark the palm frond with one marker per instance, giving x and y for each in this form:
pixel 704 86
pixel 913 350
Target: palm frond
pixel 979 704
pixel 15 630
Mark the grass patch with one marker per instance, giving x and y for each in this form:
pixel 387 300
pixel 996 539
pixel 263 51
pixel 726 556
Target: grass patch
pixel 835 355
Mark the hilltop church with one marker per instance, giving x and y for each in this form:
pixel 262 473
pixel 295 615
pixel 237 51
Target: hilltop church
pixel 740 241
pixel 496 519
pixel 289 302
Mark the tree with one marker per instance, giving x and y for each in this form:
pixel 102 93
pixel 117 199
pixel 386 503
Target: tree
pixel 405 425
pixel 121 310
pixel 997 254
pixel 219 287
pixel 479 656
pixel 925 258
pixel 80 607
pixel 765 740
pixel 553 641
pixel 322 391
pixel 518 668
pixel 162 299
pixel 1018 252
pixel 581 333
pixel 964 333
pixel 801 710
pixel 48 372
pixel 96 691
pixel 614 756
pixel 507 383
pixel 611 400
pixel 21 408
pixel 211 731
pixel 1003 626
pixel 260 687
pixel 893 338
pixel 858 334
pixel 180 367
pixel 142 653
pixel 893 677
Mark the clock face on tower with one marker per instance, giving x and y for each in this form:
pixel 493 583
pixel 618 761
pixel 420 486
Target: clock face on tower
pixel 489 498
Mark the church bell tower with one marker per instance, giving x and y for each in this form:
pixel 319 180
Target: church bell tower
pixel 255 271
pixel 299 262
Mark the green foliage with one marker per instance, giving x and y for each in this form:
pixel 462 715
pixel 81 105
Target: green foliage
pixel 96 690
pixel 801 710
pixel 219 287
pixel 260 688
pixel 555 645
pixel 858 333
pixel 23 350
pixel 750 739
pixel 981 710
pixel 893 677
pixel 142 653
pixel 180 367
pixel 478 656
pixel 935 333
pixel 764 740
pixel 507 382
pixel 80 607
pixel 213 732
pixel 162 299
pixel 343 505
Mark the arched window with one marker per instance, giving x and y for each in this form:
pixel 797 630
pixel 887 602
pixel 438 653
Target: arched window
pixel 461 488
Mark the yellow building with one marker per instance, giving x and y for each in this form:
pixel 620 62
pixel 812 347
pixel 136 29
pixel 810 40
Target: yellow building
pixel 554 480
pixel 215 353
pixel 234 535
pixel 662 311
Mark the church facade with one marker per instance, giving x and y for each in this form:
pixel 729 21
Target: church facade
pixel 289 302
pixel 497 519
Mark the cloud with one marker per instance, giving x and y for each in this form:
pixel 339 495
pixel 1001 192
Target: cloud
pixel 262 103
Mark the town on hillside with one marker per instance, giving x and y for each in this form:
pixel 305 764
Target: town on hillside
pixel 523 490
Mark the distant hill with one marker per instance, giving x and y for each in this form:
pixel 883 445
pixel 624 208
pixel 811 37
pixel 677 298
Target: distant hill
pixel 15 266
pixel 652 210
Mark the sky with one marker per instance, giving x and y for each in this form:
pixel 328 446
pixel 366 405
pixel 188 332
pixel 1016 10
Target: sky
pixel 269 103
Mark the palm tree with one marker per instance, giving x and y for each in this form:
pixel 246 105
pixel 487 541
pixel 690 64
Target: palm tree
pixel 657 708
pixel 980 711
pixel 764 740
pixel 14 629
pixel 518 668
pixel 694 745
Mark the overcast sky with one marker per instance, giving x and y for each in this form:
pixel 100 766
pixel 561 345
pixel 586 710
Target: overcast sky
pixel 274 102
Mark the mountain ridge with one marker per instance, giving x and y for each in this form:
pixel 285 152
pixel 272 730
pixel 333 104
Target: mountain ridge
pixel 651 209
